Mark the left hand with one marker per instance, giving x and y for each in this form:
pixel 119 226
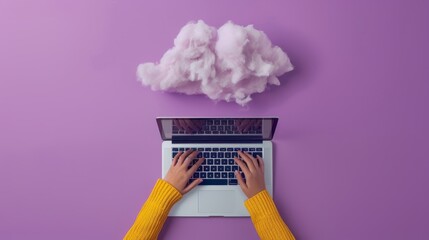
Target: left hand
pixel 178 175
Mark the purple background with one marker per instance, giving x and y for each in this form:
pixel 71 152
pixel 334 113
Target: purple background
pixel 80 151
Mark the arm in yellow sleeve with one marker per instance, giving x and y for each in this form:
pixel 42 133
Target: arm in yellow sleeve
pixel 154 212
pixel 266 219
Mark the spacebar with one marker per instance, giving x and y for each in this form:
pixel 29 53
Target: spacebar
pixel 214 182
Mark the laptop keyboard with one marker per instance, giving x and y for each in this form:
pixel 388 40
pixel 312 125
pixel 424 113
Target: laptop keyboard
pixel 218 126
pixel 219 166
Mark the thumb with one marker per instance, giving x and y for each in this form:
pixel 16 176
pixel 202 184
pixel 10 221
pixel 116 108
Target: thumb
pixel 192 185
pixel 241 181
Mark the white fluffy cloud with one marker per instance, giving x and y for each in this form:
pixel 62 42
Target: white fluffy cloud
pixel 229 63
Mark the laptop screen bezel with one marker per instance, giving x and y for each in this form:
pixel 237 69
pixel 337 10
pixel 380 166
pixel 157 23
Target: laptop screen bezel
pixel 218 138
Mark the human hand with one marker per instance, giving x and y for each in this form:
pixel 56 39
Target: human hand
pixel 254 173
pixel 178 175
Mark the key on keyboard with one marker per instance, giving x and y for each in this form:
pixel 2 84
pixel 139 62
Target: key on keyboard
pixel 219 165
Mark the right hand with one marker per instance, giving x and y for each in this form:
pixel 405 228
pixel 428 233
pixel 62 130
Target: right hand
pixel 254 173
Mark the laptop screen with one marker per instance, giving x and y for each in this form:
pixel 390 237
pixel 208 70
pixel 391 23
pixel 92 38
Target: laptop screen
pixel 216 128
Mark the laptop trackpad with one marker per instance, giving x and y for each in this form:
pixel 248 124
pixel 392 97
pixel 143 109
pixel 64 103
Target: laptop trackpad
pixel 216 201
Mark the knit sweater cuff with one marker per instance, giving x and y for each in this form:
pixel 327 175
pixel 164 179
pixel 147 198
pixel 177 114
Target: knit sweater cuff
pixel 164 195
pixel 261 205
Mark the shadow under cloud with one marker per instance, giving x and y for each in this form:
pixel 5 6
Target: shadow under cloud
pixel 305 61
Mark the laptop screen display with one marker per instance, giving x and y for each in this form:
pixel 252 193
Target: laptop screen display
pixel 217 128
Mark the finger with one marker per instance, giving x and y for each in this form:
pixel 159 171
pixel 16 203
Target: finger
pixel 248 161
pixel 242 166
pixel 184 156
pixel 240 181
pixel 176 157
pixel 196 166
pixel 192 185
pixel 255 162
pixel 189 158
pixel 261 163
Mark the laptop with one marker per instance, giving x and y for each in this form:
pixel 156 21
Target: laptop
pixel 217 140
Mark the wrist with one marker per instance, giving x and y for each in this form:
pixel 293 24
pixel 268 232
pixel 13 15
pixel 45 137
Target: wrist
pixel 164 194
pixel 260 205
pixel 255 192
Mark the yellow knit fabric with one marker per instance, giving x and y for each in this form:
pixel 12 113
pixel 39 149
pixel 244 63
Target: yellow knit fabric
pixel 154 212
pixel 266 219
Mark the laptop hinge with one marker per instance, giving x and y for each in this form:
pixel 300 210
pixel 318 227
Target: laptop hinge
pixel 216 139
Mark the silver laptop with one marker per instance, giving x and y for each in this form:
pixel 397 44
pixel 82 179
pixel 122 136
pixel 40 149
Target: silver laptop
pixel 217 140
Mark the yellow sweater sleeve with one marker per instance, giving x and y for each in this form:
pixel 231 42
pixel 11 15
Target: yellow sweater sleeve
pixel 266 219
pixel 154 212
